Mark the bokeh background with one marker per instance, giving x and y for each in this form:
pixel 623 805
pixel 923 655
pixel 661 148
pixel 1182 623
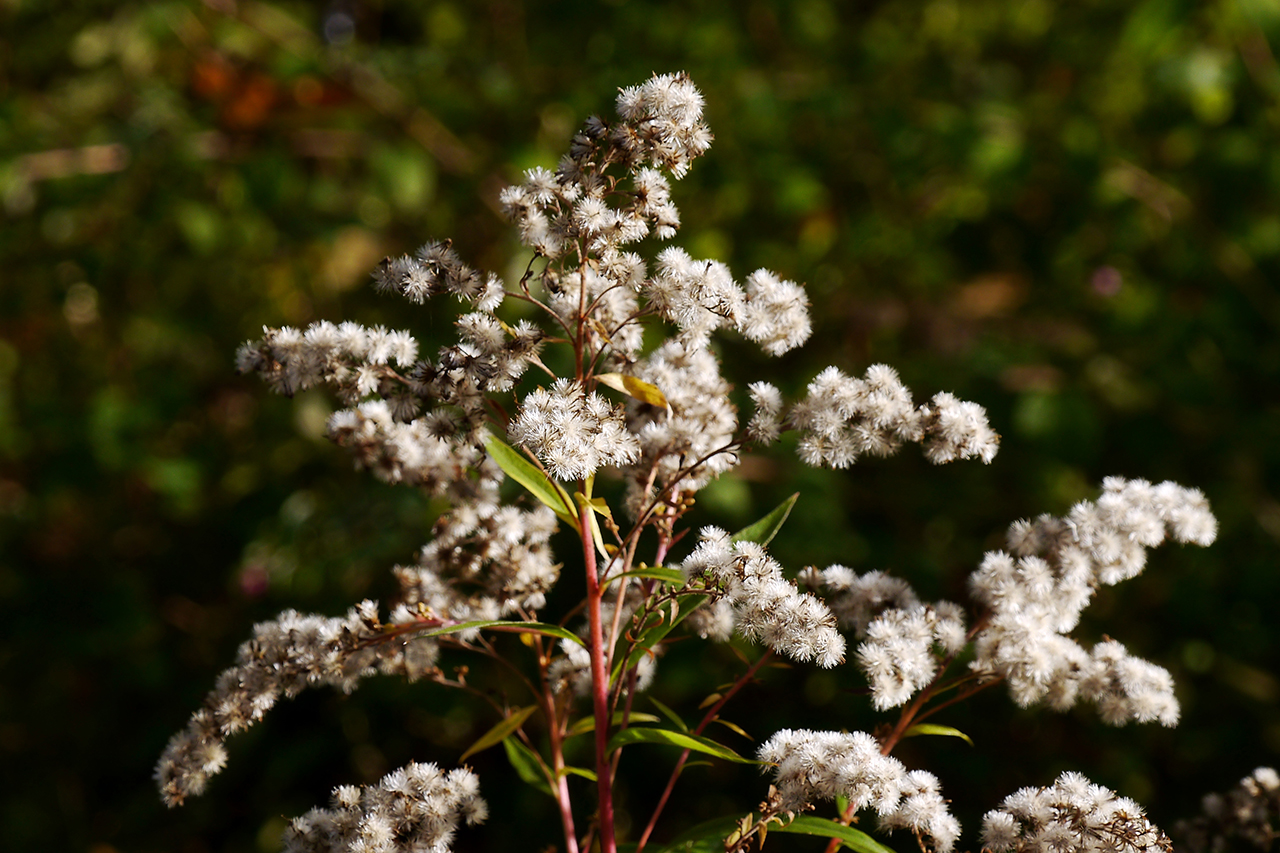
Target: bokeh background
pixel 1063 210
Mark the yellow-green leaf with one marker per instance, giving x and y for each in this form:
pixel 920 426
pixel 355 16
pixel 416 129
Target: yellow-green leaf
pixel 657 573
pixel 580 771
pixel 508 626
pixel 766 528
pixel 637 388
pixel 733 727
pixel 588 724
pixel 697 743
pixel 535 481
pixel 931 729
pixel 852 838
pixel 500 732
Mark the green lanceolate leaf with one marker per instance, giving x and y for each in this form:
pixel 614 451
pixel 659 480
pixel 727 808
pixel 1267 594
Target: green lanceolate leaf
pixel 657 573
pixel 637 388
pixel 528 765
pixel 500 732
pixel 766 528
pixel 697 743
pixel 588 724
pixel 580 771
pixel 669 714
pixel 508 626
pixel 538 484
pixel 931 729
pixel 852 838
pixel 733 727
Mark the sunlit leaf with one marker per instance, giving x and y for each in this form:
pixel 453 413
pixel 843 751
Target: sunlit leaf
pixel 658 573
pixel 697 743
pixel 500 732
pixel 580 771
pixel 508 626
pixel 639 389
pixel 852 838
pixel 733 727
pixel 538 484
pixel 588 724
pixel 931 729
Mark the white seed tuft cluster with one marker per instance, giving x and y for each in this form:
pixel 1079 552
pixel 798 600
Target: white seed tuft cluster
pixel 286 655
pixel 573 432
pixel 898 654
pixel 417 807
pixel 842 418
pixel 1036 595
pixel 813 766
pixel 1249 813
pixel 765 605
pixel 1073 814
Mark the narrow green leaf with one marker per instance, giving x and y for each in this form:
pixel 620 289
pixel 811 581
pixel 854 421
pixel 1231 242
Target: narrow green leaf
pixel 931 729
pixel 766 528
pixel 669 714
pixel 852 838
pixel 507 625
pixel 528 765
pixel 657 573
pixel 580 771
pixel 538 484
pixel 733 727
pixel 643 391
pixel 588 724
pixel 710 699
pixel 500 732
pixel 697 743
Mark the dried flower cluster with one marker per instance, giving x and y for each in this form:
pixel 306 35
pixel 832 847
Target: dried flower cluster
pixel 415 808
pixel 1248 813
pixel 1035 596
pixel 812 766
pixel 284 657
pixel 1073 814
pixel 442 425
pixel 842 418
pixel 760 603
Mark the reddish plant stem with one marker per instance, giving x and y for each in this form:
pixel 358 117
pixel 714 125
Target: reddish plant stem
pixel 599 690
pixel 565 803
pixel 711 714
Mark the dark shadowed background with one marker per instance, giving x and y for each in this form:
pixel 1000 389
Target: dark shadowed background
pixel 1064 211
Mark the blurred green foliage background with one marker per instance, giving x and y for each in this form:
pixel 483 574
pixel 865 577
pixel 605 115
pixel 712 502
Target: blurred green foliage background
pixel 1065 211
